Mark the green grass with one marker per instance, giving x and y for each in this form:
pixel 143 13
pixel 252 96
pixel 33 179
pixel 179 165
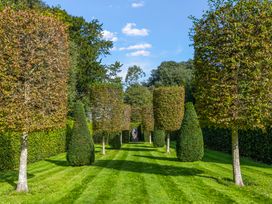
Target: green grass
pixel 140 173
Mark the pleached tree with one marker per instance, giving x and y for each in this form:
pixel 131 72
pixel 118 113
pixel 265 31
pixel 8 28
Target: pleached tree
pixel 168 108
pixel 107 109
pixel 34 65
pixel 148 121
pixel 126 120
pixel 233 59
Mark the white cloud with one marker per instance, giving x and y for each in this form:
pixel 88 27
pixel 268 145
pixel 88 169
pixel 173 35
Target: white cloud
pixel 139 53
pixel 130 29
pixel 107 35
pixel 137 47
pixel 137 4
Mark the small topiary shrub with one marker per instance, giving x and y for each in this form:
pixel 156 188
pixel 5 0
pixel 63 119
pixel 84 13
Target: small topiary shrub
pixel 158 138
pixel 114 140
pixel 80 148
pixel 190 145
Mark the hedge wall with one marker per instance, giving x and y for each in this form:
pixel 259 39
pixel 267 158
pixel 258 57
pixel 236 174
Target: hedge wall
pixel 254 144
pixel 41 145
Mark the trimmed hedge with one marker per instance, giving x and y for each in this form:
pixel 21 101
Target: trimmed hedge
pixel 115 140
pixel 80 148
pixel 41 145
pixel 146 135
pixel 189 144
pixel 254 144
pixel 158 138
pixel 126 136
pixel 168 105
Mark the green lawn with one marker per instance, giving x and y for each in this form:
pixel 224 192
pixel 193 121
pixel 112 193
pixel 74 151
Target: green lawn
pixel 140 174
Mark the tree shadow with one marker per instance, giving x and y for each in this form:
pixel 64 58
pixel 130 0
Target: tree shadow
pixel 147 168
pixel 138 149
pixel 11 177
pixel 143 146
pixel 158 158
pixel 58 162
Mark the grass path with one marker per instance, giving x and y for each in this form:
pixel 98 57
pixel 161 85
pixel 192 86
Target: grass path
pixel 140 174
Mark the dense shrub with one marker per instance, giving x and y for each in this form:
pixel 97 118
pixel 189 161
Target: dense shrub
pixel 189 144
pixel 42 145
pixel 158 138
pixel 80 148
pixel 114 140
pixel 254 144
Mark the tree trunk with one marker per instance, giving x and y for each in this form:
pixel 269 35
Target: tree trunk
pixel 150 139
pixel 121 138
pixel 168 144
pixel 237 176
pixel 22 180
pixel 103 145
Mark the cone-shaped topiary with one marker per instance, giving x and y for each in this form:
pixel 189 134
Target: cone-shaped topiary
pixel 190 139
pixel 158 138
pixel 115 141
pixel 81 147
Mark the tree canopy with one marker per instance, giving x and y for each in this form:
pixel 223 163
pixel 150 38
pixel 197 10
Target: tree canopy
pixel 233 58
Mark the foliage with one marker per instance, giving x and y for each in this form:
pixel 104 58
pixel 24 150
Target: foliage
pixel 114 140
pixel 80 148
pixel 126 117
pixel 190 145
pixel 138 96
pixel 158 138
pixel 233 58
pixel 42 145
pixel 255 144
pixel 168 107
pixel 107 105
pixel 33 67
pixel 112 72
pixel 172 73
pixel 134 74
pixel 148 118
pixel 22 4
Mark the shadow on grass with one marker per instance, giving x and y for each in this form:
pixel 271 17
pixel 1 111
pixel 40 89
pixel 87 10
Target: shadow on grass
pixel 138 149
pixel 58 162
pixel 147 168
pixel 11 177
pixel 158 158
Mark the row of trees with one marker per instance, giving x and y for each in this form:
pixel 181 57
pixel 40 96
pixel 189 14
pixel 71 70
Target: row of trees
pixel 46 56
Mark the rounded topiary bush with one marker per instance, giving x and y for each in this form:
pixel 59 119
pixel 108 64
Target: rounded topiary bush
pixel 190 145
pixel 158 138
pixel 115 140
pixel 80 148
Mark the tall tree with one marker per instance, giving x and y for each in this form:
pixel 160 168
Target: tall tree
pixel 91 47
pixel 33 68
pixel 138 96
pixel 233 59
pixel 134 74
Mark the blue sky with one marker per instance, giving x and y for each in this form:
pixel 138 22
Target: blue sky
pixel 145 32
